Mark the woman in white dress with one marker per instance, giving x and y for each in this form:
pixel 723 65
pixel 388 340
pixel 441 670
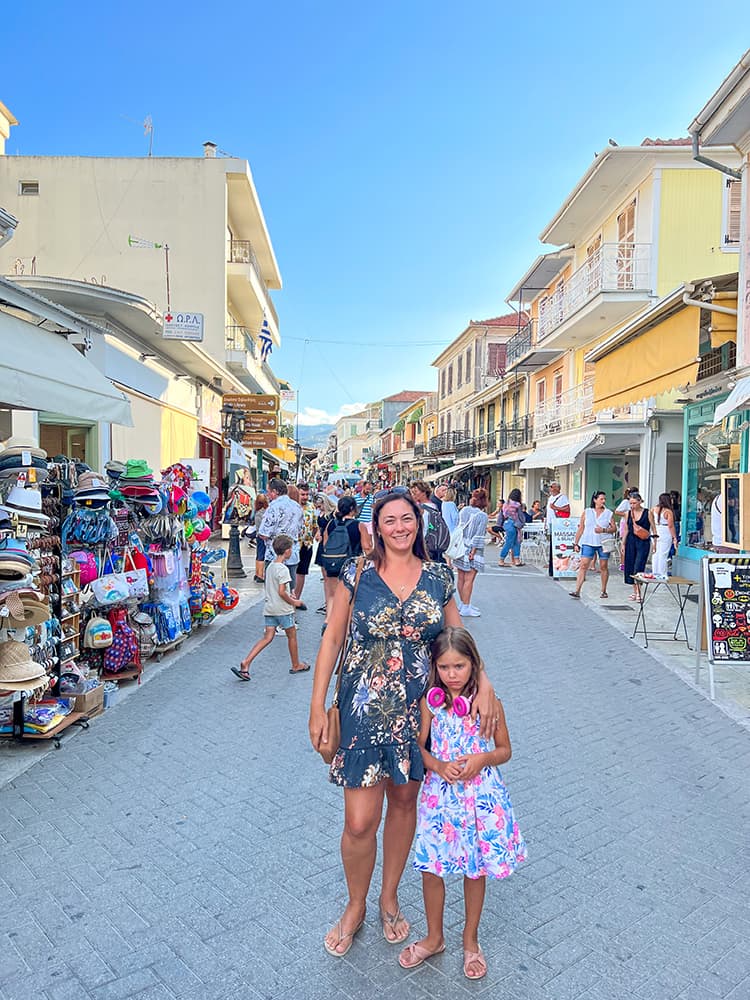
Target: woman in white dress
pixel 666 535
pixel 595 537
pixel 473 522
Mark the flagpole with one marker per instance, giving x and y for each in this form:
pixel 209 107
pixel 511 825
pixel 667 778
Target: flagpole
pixel 166 264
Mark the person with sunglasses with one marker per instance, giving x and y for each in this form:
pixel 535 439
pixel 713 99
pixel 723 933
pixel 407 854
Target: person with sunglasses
pixel 400 603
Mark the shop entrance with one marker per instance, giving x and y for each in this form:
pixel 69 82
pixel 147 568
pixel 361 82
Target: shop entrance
pixel 72 440
pixel 613 474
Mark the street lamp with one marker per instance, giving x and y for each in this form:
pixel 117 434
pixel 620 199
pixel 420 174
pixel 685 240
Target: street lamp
pixel 298 453
pixel 233 425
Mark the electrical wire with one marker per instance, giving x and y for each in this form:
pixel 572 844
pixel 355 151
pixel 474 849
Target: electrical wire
pixel 374 343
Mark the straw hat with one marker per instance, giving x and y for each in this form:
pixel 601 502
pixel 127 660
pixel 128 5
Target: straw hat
pixel 18 672
pixel 24 607
pixel 18 445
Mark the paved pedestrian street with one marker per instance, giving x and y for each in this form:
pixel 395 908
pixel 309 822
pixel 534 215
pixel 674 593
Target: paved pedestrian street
pixel 187 844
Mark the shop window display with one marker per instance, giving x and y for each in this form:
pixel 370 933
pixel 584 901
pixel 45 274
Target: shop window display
pixel 713 451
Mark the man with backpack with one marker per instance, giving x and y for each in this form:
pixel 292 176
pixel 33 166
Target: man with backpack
pixel 437 537
pixel 340 542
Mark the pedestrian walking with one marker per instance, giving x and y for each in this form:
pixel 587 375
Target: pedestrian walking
pixel 513 525
pixel 663 519
pixel 259 510
pixel 307 537
pixel 400 604
pixel 277 610
pixel 637 542
pixel 595 537
pixel 341 541
pixel 558 505
pixel 464 793
pixel 473 522
pixel 448 508
pixel 283 517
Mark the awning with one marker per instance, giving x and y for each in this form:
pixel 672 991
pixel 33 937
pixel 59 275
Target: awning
pixel 734 401
pixel 40 370
pixel 447 472
pixel 554 456
pixel 662 358
pixel 211 434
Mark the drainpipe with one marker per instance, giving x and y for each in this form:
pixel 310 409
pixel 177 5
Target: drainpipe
pixel 700 158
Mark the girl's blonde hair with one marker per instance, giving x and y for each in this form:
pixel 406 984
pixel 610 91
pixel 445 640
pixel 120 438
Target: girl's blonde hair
pixel 461 642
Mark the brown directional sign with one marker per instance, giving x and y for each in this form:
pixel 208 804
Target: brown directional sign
pixel 261 422
pixel 251 403
pixel 254 439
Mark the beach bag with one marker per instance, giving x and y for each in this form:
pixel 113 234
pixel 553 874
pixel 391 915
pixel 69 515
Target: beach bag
pixel 437 538
pixel 457 547
pixel 86 564
pixel 136 579
pixel 112 588
pixel 337 548
pixel 124 650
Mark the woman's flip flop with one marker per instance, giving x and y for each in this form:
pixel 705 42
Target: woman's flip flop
pixel 331 948
pixel 242 674
pixel 416 954
pixel 392 920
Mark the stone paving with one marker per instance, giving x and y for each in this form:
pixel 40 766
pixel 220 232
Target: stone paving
pixel 187 844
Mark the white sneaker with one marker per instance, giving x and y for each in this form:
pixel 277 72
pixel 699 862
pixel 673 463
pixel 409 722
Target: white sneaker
pixel 280 630
pixel 471 612
pixel 462 609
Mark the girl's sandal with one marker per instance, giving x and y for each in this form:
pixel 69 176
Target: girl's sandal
pixel 392 921
pixel 475 959
pixel 416 954
pixel 242 674
pixel 604 594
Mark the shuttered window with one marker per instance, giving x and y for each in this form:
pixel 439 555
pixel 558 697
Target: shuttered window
pixel 496 354
pixel 459 371
pixel 732 213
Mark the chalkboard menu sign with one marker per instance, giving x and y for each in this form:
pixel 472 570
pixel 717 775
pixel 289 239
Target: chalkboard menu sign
pixel 726 590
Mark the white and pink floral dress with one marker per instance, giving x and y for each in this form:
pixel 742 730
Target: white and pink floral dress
pixel 467 828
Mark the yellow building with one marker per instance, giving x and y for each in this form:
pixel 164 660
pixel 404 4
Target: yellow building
pixel 640 222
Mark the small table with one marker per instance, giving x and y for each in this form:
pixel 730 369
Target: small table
pixel 679 589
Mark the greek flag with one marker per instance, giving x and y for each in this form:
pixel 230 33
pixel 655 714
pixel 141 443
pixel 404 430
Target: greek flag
pixel 265 342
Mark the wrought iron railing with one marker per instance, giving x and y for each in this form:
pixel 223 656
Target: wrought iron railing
pixel 446 442
pixel 505 437
pixel 575 408
pixel 241 252
pixel 419 450
pixel 239 338
pixel 519 345
pixel 614 267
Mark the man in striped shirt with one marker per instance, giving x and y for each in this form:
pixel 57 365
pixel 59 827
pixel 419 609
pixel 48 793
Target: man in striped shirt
pixel 364 516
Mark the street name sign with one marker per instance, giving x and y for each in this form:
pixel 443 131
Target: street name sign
pixel 260 439
pixel 261 422
pixel 251 403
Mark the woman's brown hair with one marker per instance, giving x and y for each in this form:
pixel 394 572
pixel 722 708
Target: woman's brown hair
pixel 419 549
pixel 261 502
pixel 479 499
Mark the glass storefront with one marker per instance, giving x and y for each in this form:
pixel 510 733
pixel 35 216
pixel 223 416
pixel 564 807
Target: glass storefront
pixel 710 452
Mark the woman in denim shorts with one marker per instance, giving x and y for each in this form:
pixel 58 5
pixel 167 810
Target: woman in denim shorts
pixel 595 537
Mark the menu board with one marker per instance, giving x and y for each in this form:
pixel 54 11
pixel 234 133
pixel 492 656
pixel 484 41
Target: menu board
pixel 564 563
pixel 726 599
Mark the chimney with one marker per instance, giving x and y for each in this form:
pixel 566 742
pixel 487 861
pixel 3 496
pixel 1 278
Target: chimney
pixel 209 150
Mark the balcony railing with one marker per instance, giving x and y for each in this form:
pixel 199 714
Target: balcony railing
pixel 519 345
pixel 614 267
pixel 419 451
pixel 241 252
pixel 575 408
pixel 446 443
pixel 506 437
pixel 239 338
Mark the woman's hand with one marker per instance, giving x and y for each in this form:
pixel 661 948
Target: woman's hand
pixel 472 763
pixel 318 726
pixel 487 706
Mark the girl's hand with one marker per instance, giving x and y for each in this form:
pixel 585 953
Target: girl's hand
pixel 449 770
pixel 473 763
pixel 318 726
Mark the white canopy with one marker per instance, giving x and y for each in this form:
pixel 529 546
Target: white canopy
pixel 554 456
pixel 734 401
pixel 40 370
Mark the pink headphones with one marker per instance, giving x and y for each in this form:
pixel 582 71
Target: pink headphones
pixel 436 698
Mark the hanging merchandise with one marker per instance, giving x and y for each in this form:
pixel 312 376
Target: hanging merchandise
pixel 123 651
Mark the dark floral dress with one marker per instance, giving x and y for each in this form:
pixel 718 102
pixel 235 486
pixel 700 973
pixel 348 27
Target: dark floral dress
pixel 385 675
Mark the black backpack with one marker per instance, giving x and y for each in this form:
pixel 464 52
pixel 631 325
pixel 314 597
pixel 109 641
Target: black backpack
pixel 337 547
pixel 437 538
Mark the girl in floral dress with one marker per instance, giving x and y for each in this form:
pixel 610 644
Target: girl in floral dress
pixel 465 821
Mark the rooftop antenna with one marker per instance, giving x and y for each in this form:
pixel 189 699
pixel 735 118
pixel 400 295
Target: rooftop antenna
pixel 148 129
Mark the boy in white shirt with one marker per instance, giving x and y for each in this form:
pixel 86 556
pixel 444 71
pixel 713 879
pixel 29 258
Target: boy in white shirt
pixel 277 606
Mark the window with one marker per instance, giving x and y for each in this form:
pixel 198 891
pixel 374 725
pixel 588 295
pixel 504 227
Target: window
pixel 541 392
pixel 480 429
pixel 466 423
pixel 459 370
pixel 496 354
pixel 28 187
pixel 468 365
pixel 491 417
pixel 442 425
pixel 353 430
pixel 626 246
pixel 450 379
pixel 558 387
pixel 504 411
pixel 448 424
pixel 594 265
pixel 732 210
pixel 516 405
pixel 442 382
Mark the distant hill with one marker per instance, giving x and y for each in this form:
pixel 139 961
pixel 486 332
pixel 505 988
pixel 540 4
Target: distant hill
pixel 315 436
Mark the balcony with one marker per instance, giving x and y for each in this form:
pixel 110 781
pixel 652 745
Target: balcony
pixel 575 408
pixel 419 451
pixel 506 437
pixel 248 288
pixel 612 284
pixel 445 444
pixel 522 353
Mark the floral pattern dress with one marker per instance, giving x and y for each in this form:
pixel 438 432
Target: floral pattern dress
pixel 385 676
pixel 467 828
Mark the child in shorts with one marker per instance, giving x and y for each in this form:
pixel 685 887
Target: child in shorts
pixel 277 610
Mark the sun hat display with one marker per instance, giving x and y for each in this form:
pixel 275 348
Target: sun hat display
pixel 114 469
pixel 21 608
pixel 5 522
pixel 16 561
pixel 18 445
pixel 18 672
pixel 93 490
pixel 137 469
pixel 26 505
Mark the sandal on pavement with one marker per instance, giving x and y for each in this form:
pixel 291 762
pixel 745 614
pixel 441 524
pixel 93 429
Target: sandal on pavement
pixel 392 920
pixel 574 593
pixel 604 594
pixel 519 564
pixel 415 954
pixel 242 674
pixel 331 949
pixel 475 958
pixel 503 564
pixel 301 669
pixel 633 598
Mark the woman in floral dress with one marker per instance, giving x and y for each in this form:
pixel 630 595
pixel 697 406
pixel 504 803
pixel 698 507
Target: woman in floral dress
pixel 402 602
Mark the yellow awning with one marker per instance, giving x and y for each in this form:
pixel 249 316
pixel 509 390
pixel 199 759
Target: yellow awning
pixel 655 362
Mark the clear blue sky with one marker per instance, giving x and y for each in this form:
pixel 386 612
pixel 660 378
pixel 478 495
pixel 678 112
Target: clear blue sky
pixel 407 154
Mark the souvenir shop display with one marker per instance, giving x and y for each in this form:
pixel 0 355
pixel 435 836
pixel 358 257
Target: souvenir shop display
pixel 98 573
